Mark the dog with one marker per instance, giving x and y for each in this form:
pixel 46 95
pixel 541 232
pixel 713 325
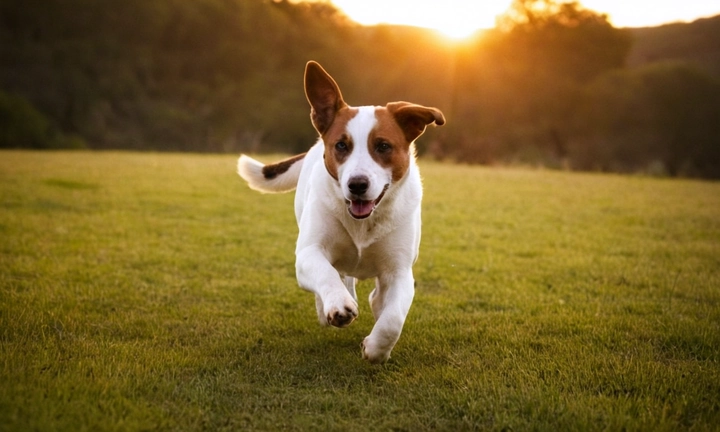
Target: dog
pixel 357 207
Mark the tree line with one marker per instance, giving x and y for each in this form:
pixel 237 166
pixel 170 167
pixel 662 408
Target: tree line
pixel 554 83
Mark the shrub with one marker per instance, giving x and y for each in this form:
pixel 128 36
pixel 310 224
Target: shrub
pixel 22 126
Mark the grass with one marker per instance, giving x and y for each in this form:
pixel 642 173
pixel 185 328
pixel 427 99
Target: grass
pixel 156 292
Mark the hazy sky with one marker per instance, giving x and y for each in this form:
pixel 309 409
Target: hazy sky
pixel 462 17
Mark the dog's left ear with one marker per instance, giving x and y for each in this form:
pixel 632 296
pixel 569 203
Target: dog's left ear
pixel 413 118
pixel 324 96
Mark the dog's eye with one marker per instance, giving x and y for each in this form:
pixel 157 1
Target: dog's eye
pixel 341 146
pixel 383 147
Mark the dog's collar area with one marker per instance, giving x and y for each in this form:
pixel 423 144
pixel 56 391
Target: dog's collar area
pixel 361 209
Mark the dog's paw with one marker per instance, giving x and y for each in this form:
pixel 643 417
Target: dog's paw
pixel 373 353
pixel 342 318
pixel 342 312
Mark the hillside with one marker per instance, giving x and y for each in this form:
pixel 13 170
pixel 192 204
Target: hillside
pixel 550 89
pixel 697 43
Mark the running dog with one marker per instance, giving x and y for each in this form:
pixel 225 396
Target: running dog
pixel 357 206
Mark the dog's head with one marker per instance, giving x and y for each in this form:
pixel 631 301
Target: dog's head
pixel 367 149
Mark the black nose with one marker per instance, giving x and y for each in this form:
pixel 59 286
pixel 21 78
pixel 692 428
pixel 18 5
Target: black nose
pixel 358 185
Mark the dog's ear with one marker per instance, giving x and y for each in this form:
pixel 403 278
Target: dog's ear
pixel 324 96
pixel 413 118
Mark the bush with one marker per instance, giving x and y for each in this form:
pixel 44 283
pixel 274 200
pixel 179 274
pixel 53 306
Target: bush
pixel 22 126
pixel 665 112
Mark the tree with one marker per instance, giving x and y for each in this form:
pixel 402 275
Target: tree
pixel 526 76
pixel 22 126
pixel 667 113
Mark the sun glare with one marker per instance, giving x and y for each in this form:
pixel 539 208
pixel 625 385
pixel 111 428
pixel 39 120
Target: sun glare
pixel 456 19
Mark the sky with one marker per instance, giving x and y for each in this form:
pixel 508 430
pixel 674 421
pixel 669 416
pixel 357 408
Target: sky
pixel 459 18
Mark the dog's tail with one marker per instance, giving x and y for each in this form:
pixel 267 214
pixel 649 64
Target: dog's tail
pixel 272 178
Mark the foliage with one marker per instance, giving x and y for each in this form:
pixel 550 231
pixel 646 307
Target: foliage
pixel 22 126
pixel 545 301
pixel 226 76
pixel 696 44
pixel 525 78
pixel 665 112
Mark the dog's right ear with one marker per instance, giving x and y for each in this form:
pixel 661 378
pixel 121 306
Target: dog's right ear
pixel 324 96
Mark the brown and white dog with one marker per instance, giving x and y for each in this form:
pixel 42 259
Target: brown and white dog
pixel 357 206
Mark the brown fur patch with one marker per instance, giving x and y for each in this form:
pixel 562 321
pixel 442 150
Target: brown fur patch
pixel 273 170
pixel 335 133
pixel 324 96
pixel 388 132
pixel 413 118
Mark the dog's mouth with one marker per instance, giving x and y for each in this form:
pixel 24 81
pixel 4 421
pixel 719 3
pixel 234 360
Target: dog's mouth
pixel 360 209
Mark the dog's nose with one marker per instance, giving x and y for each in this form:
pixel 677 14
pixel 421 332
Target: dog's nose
pixel 358 185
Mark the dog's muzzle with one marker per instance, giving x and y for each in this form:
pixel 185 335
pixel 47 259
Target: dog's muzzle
pixel 357 207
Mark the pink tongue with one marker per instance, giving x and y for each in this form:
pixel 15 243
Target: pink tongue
pixel 361 208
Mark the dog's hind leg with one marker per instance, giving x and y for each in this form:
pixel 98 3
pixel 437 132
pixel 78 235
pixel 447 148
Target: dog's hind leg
pixel 350 285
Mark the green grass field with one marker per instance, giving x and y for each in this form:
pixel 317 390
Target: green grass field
pixel 157 292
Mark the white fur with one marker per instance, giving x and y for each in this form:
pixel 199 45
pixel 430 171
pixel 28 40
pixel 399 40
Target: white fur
pixel 251 170
pixel 360 163
pixel 333 248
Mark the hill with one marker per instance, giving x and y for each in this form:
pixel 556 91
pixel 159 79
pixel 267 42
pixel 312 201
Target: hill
pixel 551 89
pixel 697 43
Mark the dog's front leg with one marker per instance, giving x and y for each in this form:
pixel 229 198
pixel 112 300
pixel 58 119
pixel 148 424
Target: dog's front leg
pixel 335 306
pixel 390 302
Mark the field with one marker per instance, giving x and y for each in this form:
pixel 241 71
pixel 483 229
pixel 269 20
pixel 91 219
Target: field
pixel 157 292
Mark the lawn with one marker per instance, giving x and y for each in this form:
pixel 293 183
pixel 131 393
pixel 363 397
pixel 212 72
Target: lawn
pixel 157 292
